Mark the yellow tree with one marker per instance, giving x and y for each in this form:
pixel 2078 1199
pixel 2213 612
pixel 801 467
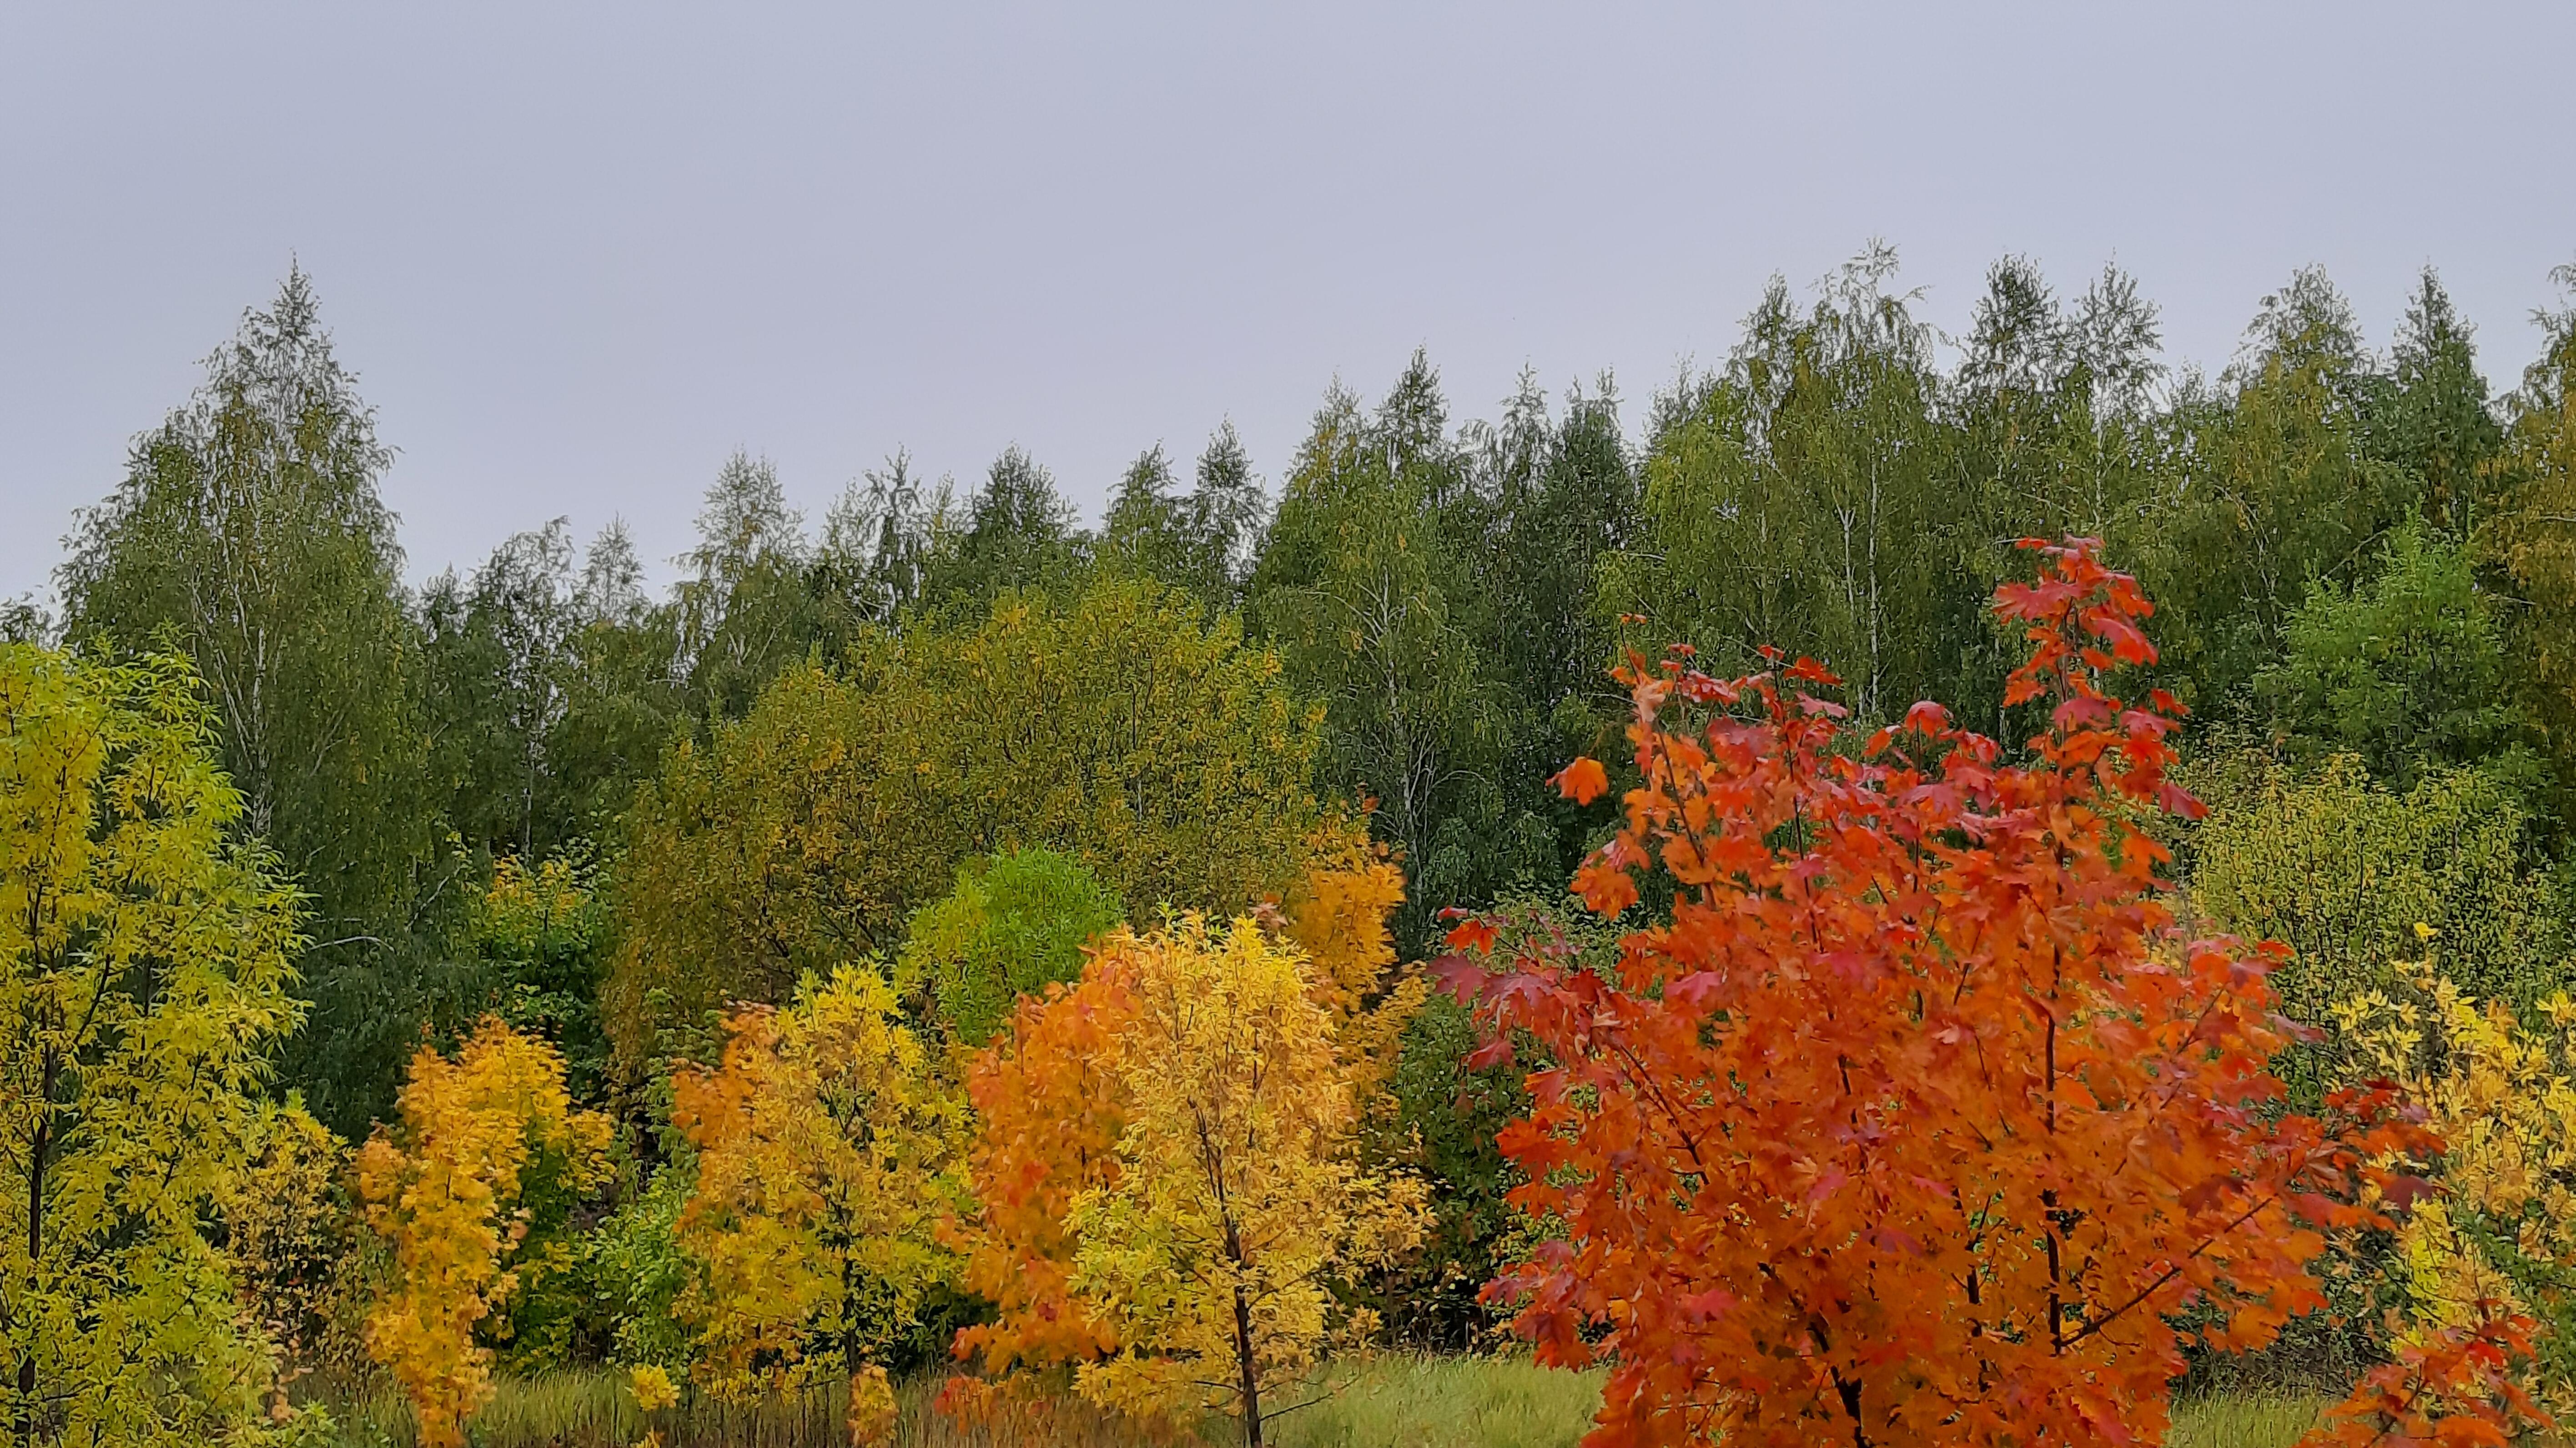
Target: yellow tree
pixel 826 1155
pixel 143 979
pixel 1239 1201
pixel 1337 915
pixel 471 1191
pixel 2503 1097
pixel 1050 1103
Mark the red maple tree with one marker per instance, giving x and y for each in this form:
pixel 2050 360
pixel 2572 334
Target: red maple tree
pixel 1918 1120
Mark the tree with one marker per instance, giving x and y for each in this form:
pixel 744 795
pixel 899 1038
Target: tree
pixel 1367 589
pixel 1799 499
pixel 144 975
pixel 1018 534
pixel 286 1235
pixel 879 540
pixel 2434 420
pixel 2270 488
pixel 826 1153
pixel 751 607
pixel 1017 923
pixel 623 694
pixel 538 939
pixel 2052 428
pixel 1051 1102
pixel 2531 533
pixel 1202 542
pixel 499 649
pixel 2503 1097
pixel 2407 671
pixel 474 1191
pixel 1049 1105
pixel 250 529
pixel 1238 1201
pixel 1122 727
pixel 1913 1121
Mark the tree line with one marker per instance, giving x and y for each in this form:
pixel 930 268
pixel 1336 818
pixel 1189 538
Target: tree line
pixel 909 771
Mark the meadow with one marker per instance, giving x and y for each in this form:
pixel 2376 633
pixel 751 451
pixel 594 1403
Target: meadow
pixel 1393 1400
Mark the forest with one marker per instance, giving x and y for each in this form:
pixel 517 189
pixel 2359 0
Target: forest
pixel 1909 889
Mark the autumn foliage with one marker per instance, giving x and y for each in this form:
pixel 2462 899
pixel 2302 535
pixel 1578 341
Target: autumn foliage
pixel 1238 1201
pixel 1049 1104
pixel 1164 1176
pixel 1918 1120
pixel 826 1150
pixel 452 1191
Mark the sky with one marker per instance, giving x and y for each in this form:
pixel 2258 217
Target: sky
pixel 578 254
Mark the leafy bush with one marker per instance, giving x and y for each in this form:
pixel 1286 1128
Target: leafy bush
pixel 1015 924
pixel 2341 868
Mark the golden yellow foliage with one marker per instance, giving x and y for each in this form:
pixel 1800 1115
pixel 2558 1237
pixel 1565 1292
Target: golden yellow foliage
pixel 1239 1201
pixel 143 987
pixel 652 1387
pixel 450 1191
pixel 1337 915
pixel 827 1152
pixel 2503 1099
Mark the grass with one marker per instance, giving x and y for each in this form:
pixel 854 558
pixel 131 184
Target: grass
pixel 1394 1401
pixel 1417 1402
pixel 2244 1420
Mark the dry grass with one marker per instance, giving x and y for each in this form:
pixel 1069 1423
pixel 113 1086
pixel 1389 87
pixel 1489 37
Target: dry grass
pixel 2244 1420
pixel 593 1410
pixel 1393 1401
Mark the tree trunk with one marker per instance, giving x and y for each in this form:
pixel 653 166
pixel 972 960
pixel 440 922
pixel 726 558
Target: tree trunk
pixel 40 1148
pixel 1250 1371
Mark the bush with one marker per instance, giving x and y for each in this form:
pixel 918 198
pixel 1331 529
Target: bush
pixel 1015 924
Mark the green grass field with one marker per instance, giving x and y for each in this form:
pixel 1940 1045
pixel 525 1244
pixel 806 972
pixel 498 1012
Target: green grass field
pixel 1387 1402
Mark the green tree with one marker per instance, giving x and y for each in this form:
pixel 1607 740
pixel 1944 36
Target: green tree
pixel 880 538
pixel 1122 727
pixel 2531 535
pixel 2434 419
pixel 145 953
pixel 1799 500
pixel 249 532
pixel 2405 671
pixel 623 693
pixel 1202 541
pixel 498 649
pixel 1016 923
pixel 1369 589
pixel 2053 430
pixel 749 607
pixel 1018 533
pixel 2270 487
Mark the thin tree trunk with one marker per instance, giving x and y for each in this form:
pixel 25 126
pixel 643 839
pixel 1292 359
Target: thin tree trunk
pixel 40 1148
pixel 1250 1372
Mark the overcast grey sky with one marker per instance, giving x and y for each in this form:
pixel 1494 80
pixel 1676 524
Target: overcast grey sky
pixel 579 253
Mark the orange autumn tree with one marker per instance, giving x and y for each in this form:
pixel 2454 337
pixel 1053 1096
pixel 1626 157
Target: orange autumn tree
pixel 470 1189
pixel 1917 1121
pixel 1052 1101
pixel 1049 1105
